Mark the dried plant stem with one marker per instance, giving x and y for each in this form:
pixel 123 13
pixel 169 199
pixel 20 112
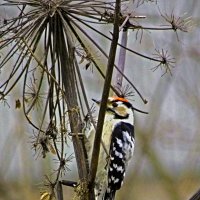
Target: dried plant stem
pixel 107 83
pixel 68 78
pixel 59 191
pixel 196 196
pixel 121 61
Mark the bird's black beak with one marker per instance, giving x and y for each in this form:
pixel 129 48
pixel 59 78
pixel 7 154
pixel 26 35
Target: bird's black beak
pixel 96 101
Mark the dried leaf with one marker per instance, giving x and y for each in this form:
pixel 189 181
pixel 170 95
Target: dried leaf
pixel 45 196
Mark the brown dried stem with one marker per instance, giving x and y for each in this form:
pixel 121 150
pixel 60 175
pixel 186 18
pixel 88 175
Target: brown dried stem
pixel 107 83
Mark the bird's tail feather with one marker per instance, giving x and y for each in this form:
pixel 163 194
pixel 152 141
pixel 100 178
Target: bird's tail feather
pixel 109 195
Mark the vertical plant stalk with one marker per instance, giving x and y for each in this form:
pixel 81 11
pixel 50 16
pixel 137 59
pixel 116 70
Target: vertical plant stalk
pixel 121 61
pixel 59 191
pixel 66 57
pixel 106 89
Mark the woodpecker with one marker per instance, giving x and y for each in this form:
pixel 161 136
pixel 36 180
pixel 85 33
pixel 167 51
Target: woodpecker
pixel 116 149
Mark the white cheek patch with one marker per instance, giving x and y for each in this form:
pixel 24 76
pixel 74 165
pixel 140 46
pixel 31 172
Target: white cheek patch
pixel 121 110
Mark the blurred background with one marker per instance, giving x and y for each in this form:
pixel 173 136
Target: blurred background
pixel 166 163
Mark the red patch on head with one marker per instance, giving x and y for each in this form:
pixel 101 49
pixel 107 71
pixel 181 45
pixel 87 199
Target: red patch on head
pixel 120 99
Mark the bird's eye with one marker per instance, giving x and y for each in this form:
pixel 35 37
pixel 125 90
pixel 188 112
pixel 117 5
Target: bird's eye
pixel 114 104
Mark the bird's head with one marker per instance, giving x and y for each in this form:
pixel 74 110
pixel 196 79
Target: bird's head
pixel 118 106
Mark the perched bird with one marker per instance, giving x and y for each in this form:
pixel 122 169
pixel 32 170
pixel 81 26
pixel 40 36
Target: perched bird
pixel 116 149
